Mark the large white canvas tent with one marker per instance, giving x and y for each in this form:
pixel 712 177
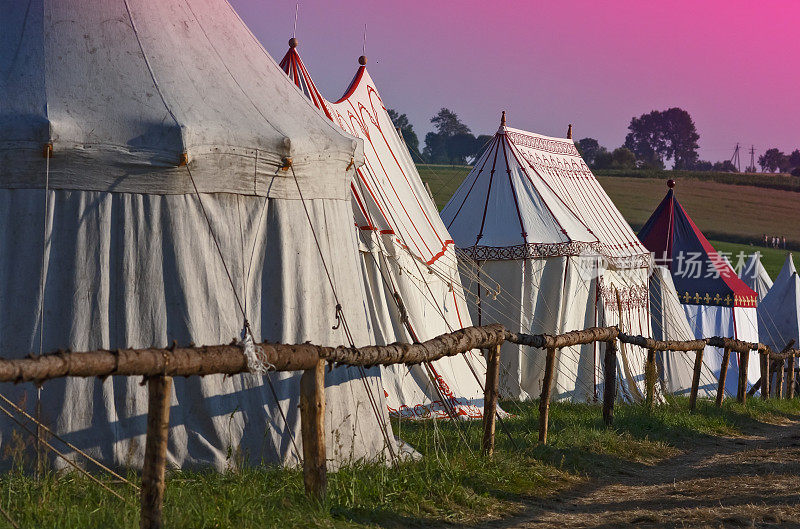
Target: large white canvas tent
pixel 755 275
pixel 779 311
pixel 167 216
pixel 535 224
pixel 715 300
pixel 409 266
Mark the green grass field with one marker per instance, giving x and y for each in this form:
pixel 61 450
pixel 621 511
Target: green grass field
pixel 732 214
pixel 452 483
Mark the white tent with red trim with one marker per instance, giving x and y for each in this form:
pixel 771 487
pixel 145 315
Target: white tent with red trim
pixel 538 229
pixel 409 265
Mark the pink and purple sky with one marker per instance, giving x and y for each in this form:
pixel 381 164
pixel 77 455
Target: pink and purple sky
pixel 733 64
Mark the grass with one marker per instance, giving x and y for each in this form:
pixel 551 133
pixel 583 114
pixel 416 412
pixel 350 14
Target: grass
pixel 452 483
pixel 771 258
pixel 733 208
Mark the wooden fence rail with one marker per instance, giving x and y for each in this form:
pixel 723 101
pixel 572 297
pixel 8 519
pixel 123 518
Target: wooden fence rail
pixel 159 365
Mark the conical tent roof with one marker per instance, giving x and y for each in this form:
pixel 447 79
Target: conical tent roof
pixel 122 87
pixel 755 275
pixel 779 311
pixel 410 267
pixel 503 209
pixel 701 275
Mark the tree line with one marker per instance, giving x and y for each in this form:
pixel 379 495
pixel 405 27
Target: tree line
pixel 654 139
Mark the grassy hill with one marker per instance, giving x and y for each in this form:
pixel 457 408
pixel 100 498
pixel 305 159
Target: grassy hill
pixel 733 210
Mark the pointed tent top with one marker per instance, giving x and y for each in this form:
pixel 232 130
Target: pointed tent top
pixel 701 275
pixel 362 60
pixel 293 42
pixel 503 119
pixel 671 183
pixel 755 275
pixel 569 132
pixel 778 314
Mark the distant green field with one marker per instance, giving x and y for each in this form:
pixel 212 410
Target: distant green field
pixel 722 206
pixel 771 259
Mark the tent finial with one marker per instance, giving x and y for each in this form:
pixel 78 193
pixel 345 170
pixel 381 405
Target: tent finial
pixel 569 132
pixel 671 183
pixel 293 42
pixel 362 60
pixel 503 119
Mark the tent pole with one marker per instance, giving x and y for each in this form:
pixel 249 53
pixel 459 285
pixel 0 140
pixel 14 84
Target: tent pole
pixel 764 376
pixel 790 379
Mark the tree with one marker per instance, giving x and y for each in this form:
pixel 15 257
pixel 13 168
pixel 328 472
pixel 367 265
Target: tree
pixel 447 123
pixel 623 158
pixel 794 158
pixel 603 159
pixel 726 166
pixel 702 165
pixel 664 135
pixel 401 122
pixel 772 160
pixel 588 147
pixel 452 142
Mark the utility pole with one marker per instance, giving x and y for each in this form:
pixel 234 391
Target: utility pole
pixel 752 168
pixel 735 158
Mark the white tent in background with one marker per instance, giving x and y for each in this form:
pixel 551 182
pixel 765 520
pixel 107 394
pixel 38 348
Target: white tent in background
pixel 534 223
pixel 165 126
pixel 779 311
pixel 409 265
pixel 675 368
pixel 755 275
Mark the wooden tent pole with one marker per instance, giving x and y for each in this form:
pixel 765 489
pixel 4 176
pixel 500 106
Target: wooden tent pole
pixel 790 376
pixel 650 378
pixel 764 376
pixel 155 452
pixel 544 399
pixel 490 394
pixel 779 379
pixel 312 429
pixel 698 365
pixel 609 382
pixel 723 375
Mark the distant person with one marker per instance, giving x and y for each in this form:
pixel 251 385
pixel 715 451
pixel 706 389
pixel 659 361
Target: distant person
pixel 784 242
pixel 765 240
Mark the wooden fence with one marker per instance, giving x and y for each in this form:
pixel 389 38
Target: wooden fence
pixel 158 366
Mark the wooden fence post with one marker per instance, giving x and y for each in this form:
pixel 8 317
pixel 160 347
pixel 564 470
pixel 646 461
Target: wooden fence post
pixel 650 377
pixel 764 375
pixel 790 376
pixel 779 379
pixel 609 382
pixel 544 399
pixel 155 452
pixel 741 391
pixel 490 392
pixel 312 427
pixel 723 375
pixel 698 364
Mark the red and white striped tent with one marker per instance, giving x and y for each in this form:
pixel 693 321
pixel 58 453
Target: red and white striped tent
pixel 409 265
pixel 532 216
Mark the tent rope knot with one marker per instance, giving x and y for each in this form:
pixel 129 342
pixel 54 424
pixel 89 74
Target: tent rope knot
pixel 257 362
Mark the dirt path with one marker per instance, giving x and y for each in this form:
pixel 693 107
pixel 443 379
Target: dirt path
pixel 723 482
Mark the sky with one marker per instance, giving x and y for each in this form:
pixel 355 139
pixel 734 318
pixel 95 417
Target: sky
pixel 734 65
